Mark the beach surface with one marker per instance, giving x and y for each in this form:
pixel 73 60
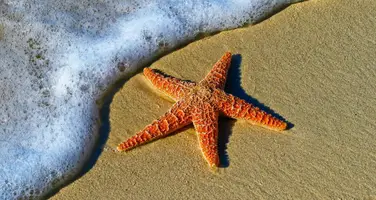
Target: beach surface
pixel 313 63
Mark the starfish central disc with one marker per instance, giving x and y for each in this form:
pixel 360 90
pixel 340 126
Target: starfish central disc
pixel 203 93
pixel 200 104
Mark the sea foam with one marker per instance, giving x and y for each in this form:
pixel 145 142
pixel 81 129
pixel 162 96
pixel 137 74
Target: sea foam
pixel 58 58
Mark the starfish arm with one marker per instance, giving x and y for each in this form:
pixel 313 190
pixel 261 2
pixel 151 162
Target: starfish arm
pixel 216 78
pixel 237 108
pixel 175 118
pixel 205 121
pixel 174 87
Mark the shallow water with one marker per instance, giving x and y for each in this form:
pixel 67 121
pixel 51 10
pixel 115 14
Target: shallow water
pixel 58 59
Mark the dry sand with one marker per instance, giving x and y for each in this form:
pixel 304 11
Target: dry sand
pixel 314 63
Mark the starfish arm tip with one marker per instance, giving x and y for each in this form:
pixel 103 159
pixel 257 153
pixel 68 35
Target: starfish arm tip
pixel 279 127
pixel 147 69
pixel 119 148
pixel 282 126
pixel 213 168
pixel 122 147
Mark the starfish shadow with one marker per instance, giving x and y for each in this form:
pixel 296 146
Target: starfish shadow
pixel 224 127
pixel 233 86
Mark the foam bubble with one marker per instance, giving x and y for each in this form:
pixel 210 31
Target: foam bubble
pixel 58 57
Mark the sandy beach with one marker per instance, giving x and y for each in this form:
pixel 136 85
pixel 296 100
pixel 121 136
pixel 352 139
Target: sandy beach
pixel 313 63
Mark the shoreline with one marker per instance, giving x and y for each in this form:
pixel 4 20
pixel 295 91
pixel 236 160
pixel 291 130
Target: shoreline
pixel 300 64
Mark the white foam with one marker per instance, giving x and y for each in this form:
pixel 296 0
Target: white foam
pixel 57 58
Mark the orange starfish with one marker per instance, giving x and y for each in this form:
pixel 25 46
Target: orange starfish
pixel 200 104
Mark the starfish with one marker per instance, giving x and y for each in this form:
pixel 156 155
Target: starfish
pixel 200 103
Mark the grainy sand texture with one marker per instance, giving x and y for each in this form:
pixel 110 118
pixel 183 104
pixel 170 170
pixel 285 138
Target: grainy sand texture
pixel 313 63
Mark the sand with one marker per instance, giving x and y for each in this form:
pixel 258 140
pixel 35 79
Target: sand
pixel 313 63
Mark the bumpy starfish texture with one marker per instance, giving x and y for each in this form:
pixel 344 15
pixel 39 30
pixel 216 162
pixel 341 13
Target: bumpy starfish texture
pixel 200 104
